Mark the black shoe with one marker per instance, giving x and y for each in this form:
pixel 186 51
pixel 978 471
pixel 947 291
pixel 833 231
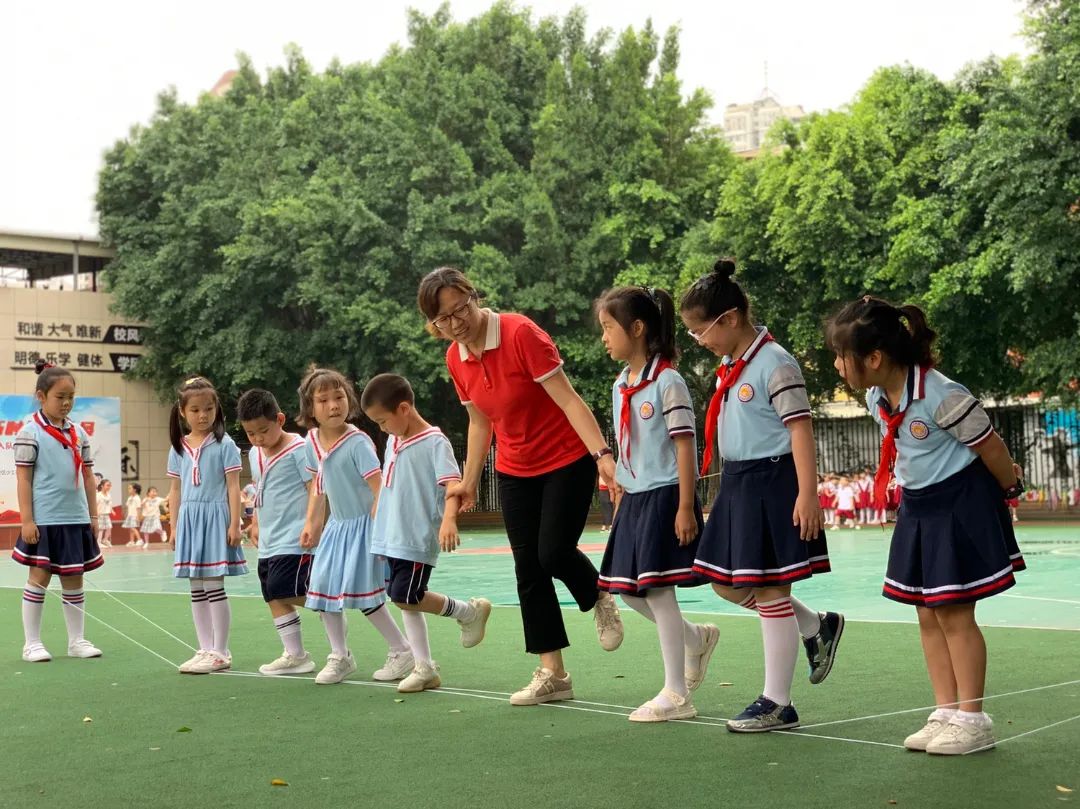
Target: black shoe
pixel 821 649
pixel 763 715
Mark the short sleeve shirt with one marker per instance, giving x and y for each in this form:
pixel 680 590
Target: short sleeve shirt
pixel 532 434
pixel 59 494
pixel 942 422
pixel 201 470
pixel 281 497
pixel 659 412
pixel 769 394
pixel 341 471
pixel 415 473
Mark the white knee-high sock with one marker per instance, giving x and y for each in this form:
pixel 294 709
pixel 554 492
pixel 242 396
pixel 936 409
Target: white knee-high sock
pixel 669 626
pixel 33 602
pixel 336 630
pixel 383 621
pixel 74 617
pixel 200 614
pixel 220 612
pixel 809 620
pixel 691 632
pixel 416 632
pixel 780 637
pixel 288 629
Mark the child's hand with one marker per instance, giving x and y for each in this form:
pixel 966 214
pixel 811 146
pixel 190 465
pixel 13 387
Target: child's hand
pixel 253 534
pixel 448 535
pixel 1018 471
pixel 307 537
pixel 234 536
pixel 685 525
pixel 807 515
pixel 466 493
pixel 30 533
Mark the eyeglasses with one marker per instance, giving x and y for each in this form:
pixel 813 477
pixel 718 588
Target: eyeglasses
pixel 443 323
pixel 699 336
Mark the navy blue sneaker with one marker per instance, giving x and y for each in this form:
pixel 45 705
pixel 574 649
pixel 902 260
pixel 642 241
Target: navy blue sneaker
pixel 821 649
pixel 764 715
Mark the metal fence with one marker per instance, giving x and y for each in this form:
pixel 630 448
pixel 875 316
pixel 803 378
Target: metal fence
pixel 1045 440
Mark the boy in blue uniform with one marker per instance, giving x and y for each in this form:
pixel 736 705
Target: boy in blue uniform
pixel 414 520
pixel 281 482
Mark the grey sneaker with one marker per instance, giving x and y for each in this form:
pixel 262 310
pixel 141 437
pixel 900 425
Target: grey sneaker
pixel 960 738
pixel 762 715
pixel 821 649
pixel 609 627
pixel 545 687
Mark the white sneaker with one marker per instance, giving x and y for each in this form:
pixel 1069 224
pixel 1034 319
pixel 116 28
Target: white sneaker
pixel 36 653
pixel 697 660
pixel 337 669
pixel 209 662
pixel 921 738
pixel 959 738
pixel 423 677
pixel 472 632
pixel 545 687
pixel 186 666
pixel 397 666
pixel 288 664
pixel 609 628
pixel 83 648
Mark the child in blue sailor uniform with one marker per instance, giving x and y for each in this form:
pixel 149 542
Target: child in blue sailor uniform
pixel 650 551
pixel 765 530
pixel 57 505
pixel 953 544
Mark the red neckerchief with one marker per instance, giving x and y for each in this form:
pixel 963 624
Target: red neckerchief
pixel 893 421
pixel 69 440
pixel 649 374
pixel 266 465
pixel 726 377
pixel 321 455
pixel 195 452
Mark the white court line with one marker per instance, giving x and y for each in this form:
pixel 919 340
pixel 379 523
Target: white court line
pixel 96 589
pixel 932 707
pixel 1037 598
pixel 1027 733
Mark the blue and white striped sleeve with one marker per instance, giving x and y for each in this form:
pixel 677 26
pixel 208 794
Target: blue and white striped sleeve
pixel 787 393
pixel 26 447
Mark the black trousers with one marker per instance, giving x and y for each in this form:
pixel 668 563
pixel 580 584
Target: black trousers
pixel 544 518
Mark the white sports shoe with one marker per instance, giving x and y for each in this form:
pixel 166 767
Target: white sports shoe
pixel 423 677
pixel 697 660
pixel 920 738
pixel 288 664
pixel 83 648
pixel 609 627
pixel 36 653
pixel 545 687
pixel 210 662
pixel 397 666
pixel 472 632
pixel 337 669
pixel 959 738
pixel 186 666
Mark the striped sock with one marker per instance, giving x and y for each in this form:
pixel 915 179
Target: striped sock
pixel 780 637
pixel 200 614
pixel 288 628
pixel 33 602
pixel 74 616
pixel 458 610
pixel 221 614
pixel 750 602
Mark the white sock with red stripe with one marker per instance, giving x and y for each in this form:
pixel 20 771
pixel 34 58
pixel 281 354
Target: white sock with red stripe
pixel 416 632
pixel 288 629
pixel 74 616
pixel 220 614
pixel 456 609
pixel 808 619
pixel 33 602
pixel 383 621
pixel 336 629
pixel 200 614
pixel 780 637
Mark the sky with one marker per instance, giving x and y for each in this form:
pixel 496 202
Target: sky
pixel 75 76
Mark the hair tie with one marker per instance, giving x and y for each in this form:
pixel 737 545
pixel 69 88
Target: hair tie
pixel 46 366
pixel 867 298
pixel 191 381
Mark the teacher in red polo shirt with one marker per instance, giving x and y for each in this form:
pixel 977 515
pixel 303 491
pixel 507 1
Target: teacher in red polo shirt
pixel 548 446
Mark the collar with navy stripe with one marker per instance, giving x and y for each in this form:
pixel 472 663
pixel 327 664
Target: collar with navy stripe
pixel 66 423
pixel 492 337
pixel 648 373
pixel 914 390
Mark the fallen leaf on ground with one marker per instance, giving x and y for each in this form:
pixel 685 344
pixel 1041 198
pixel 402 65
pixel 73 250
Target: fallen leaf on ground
pixel 277 782
pixel 726 685
pixel 87 720
pixel 399 700
pixel 184 729
pixel 1060 788
pixel 155 748
pixel 455 710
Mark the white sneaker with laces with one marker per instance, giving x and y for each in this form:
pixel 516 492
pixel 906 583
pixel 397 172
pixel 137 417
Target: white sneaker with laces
pixel 337 669
pixel 920 738
pixel 36 653
pixel 609 627
pixel 697 660
pixel 83 648
pixel 423 677
pixel 288 664
pixel 959 738
pixel 397 666
pixel 472 632
pixel 186 666
pixel 210 662
pixel 545 687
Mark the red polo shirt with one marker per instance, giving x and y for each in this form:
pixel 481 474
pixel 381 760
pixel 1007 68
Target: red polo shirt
pixel 532 434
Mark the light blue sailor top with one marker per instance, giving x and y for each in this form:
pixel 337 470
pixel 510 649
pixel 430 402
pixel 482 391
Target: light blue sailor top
pixel 341 471
pixel 281 497
pixel 202 469
pixel 59 494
